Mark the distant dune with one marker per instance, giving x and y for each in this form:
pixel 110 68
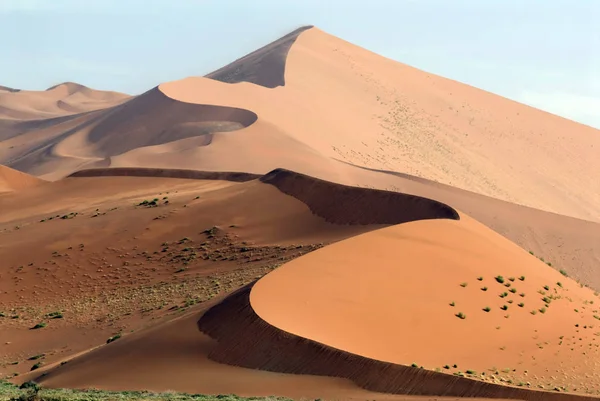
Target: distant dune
pixel 59 100
pixel 13 180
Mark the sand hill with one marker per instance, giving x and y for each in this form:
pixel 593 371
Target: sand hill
pixel 333 101
pixel 202 229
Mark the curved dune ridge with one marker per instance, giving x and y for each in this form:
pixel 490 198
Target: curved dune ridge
pixel 264 67
pixel 13 180
pixel 344 310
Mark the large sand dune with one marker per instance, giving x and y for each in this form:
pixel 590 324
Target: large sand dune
pixel 338 102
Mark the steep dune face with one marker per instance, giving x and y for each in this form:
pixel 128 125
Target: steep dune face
pixel 382 114
pixel 264 67
pixel 12 180
pixel 368 307
pixel 59 100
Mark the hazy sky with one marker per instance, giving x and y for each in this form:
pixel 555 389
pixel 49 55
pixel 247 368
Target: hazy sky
pixel 541 52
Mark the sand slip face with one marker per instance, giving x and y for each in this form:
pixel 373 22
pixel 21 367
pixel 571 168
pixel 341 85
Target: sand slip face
pixel 394 295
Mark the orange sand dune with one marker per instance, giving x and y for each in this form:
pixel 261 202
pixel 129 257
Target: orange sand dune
pixel 337 102
pixel 13 180
pixel 386 278
pixel 374 296
pixel 64 99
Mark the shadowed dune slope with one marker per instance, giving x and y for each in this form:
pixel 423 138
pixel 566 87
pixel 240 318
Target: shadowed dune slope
pixel 13 180
pixel 165 173
pixel 264 67
pixel 342 204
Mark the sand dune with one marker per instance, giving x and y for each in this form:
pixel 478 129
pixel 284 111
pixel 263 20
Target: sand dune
pixel 13 180
pixel 203 187
pixel 264 67
pixel 341 102
pixel 385 278
pixel 59 100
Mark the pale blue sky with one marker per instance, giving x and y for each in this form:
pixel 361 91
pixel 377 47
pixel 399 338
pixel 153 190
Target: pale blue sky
pixel 541 52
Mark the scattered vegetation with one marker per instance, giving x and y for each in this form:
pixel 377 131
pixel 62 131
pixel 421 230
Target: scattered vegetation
pixel 499 279
pixel 113 338
pixel 487 309
pixel 31 391
pixel 39 326
pixel 461 315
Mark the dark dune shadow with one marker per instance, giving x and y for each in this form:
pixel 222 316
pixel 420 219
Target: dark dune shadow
pixel 165 173
pixel 342 204
pixel 264 67
pixel 154 119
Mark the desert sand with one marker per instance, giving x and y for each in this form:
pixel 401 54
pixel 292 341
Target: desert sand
pixel 13 180
pixel 234 228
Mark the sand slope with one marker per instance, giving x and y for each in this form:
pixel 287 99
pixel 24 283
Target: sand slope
pixel 13 180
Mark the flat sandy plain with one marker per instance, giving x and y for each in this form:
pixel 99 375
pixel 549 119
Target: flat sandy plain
pixel 310 221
